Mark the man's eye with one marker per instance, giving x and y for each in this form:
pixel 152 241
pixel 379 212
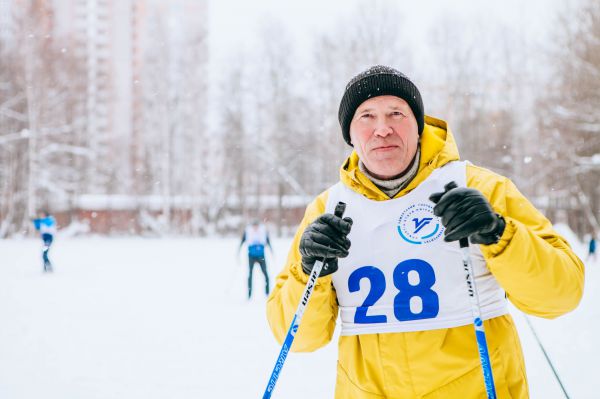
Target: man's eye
pixel 366 116
pixel 400 114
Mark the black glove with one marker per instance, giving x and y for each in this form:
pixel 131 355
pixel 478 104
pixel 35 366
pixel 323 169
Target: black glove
pixel 325 238
pixel 465 212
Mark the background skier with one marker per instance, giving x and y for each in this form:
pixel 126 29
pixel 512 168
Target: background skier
pixel 46 226
pixel 591 249
pixel 256 238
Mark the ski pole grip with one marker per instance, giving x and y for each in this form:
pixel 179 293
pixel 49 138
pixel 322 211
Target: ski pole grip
pixel 450 186
pixel 339 209
pixel 463 242
pixel 339 212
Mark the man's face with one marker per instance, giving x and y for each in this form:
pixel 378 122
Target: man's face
pixel 385 135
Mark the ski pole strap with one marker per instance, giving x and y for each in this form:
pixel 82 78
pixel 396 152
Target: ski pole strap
pixel 289 338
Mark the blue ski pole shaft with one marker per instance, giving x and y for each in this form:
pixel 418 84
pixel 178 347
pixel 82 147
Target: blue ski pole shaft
pixel 484 355
pixel 289 338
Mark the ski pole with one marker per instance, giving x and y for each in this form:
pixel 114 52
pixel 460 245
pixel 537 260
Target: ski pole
pixel 484 355
pixel 562 387
pixel 289 338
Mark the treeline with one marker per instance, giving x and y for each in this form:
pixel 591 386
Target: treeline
pixel 264 123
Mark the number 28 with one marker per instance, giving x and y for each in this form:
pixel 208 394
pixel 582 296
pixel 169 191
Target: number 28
pixel 406 291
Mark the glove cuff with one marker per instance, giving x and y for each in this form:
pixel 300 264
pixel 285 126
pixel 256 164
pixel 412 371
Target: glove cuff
pixel 307 265
pixel 500 227
pixel 494 236
pixel 329 266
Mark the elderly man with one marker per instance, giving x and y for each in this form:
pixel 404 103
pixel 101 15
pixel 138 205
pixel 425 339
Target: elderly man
pixel 406 322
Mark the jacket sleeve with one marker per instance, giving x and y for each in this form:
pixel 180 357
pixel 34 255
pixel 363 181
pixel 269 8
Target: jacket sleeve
pixel 537 268
pixel 318 322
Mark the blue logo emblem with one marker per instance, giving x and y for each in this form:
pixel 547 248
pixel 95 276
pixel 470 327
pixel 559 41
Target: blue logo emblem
pixel 418 224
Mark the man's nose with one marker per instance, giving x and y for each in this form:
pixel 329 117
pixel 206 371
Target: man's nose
pixel 382 129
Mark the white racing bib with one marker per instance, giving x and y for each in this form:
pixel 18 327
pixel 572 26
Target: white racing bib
pixel 45 229
pixel 400 274
pixel 256 235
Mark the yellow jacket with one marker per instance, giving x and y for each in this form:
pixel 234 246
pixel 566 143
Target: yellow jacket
pixel 532 263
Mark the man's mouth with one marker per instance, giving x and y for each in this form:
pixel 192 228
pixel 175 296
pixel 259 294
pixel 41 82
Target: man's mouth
pixel 385 148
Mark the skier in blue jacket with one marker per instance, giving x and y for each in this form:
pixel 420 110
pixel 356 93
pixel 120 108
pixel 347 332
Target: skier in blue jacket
pixel 591 249
pixel 256 237
pixel 46 225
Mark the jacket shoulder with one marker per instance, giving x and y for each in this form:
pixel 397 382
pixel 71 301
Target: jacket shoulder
pixel 490 183
pixel 480 176
pixel 317 206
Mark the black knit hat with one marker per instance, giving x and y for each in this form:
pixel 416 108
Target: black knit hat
pixel 376 81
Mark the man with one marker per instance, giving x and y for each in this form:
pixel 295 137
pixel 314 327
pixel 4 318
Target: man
pixel 400 288
pixel 591 249
pixel 257 237
pixel 46 225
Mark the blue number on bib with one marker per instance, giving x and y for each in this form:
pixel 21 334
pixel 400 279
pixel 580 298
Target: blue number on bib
pixel 429 299
pixel 377 280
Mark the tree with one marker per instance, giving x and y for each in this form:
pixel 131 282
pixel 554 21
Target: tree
pixel 39 145
pixel 569 120
pixel 485 90
pixel 370 34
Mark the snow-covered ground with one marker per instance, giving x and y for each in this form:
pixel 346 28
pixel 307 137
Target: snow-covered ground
pixel 167 318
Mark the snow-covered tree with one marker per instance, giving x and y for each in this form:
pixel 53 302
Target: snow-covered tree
pixel 40 123
pixel 569 134
pixel 370 34
pixel 171 146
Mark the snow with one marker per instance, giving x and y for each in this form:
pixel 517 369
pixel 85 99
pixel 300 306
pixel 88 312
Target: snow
pixel 167 318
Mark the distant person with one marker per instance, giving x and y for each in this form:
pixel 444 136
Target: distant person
pixel 592 250
pixel 46 225
pixel 256 238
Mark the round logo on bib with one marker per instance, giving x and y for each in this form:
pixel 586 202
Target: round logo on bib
pixel 418 224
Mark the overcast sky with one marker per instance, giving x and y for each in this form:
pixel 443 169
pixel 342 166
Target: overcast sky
pixel 234 23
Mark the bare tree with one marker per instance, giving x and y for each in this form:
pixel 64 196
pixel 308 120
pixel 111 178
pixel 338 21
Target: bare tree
pixel 279 132
pixel 569 120
pixel 196 145
pixel 37 108
pixel 172 147
pixel 370 34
